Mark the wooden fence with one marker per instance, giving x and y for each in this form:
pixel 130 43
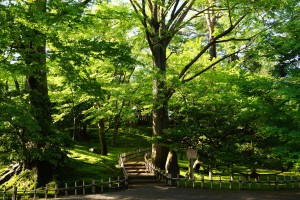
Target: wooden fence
pixel 77 187
pixel 262 182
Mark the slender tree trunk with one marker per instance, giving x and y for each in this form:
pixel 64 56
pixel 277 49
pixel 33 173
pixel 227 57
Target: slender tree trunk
pixel 102 139
pixel 116 130
pixel 75 131
pixel 83 131
pixel 211 23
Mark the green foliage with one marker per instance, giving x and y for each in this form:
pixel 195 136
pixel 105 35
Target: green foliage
pixel 241 118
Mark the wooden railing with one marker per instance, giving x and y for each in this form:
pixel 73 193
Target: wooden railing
pixel 129 156
pixel 262 182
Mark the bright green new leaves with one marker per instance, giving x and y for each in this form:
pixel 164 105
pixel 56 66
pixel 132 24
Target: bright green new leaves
pixel 235 117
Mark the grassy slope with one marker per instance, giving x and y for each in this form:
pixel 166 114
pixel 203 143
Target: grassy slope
pixel 84 165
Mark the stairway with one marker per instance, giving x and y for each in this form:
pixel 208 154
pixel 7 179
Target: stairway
pixel 137 174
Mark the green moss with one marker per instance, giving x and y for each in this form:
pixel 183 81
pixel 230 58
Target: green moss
pixel 24 180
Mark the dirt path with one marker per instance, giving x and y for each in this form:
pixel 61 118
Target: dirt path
pixel 162 192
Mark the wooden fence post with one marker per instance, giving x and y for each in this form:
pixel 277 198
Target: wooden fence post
pixel 118 183
pixel 93 187
pixel 230 182
pixel 34 192
pixel 240 183
pixel 46 192
pixel 285 182
pixel 249 182
pixel 220 182
pixel 56 191
pixel 75 191
pixel 159 175
pixel 166 176
pixel 258 181
pixel 202 181
pixel 109 183
pixel 66 189
pixel 178 181
pixel 101 185
pixel 276 182
pixel 83 188
pixel 126 182
pixel 194 182
pixel 268 180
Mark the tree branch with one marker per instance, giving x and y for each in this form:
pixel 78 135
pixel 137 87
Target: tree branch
pixel 229 12
pixel 184 70
pixel 176 25
pixel 175 13
pixel 234 39
pixel 213 64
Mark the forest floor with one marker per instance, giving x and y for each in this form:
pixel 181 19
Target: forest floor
pixel 164 192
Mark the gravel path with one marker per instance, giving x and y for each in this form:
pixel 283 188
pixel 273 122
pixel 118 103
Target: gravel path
pixel 163 192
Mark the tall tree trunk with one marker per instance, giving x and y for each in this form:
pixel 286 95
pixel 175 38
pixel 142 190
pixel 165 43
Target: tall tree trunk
pixel 116 130
pixel 160 113
pixel 34 54
pixel 102 139
pixel 35 57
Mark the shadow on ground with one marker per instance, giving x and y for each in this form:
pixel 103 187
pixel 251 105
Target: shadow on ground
pixel 161 192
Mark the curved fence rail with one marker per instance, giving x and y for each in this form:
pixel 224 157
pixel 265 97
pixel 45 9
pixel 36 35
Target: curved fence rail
pixel 262 182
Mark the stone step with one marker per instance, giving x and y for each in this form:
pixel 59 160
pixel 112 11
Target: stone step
pixel 129 164
pixel 135 167
pixel 136 170
pixel 139 174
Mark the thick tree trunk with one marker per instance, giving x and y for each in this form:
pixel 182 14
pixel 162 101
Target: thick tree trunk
pixel 39 98
pixel 160 113
pixel 102 139
pixel 34 53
